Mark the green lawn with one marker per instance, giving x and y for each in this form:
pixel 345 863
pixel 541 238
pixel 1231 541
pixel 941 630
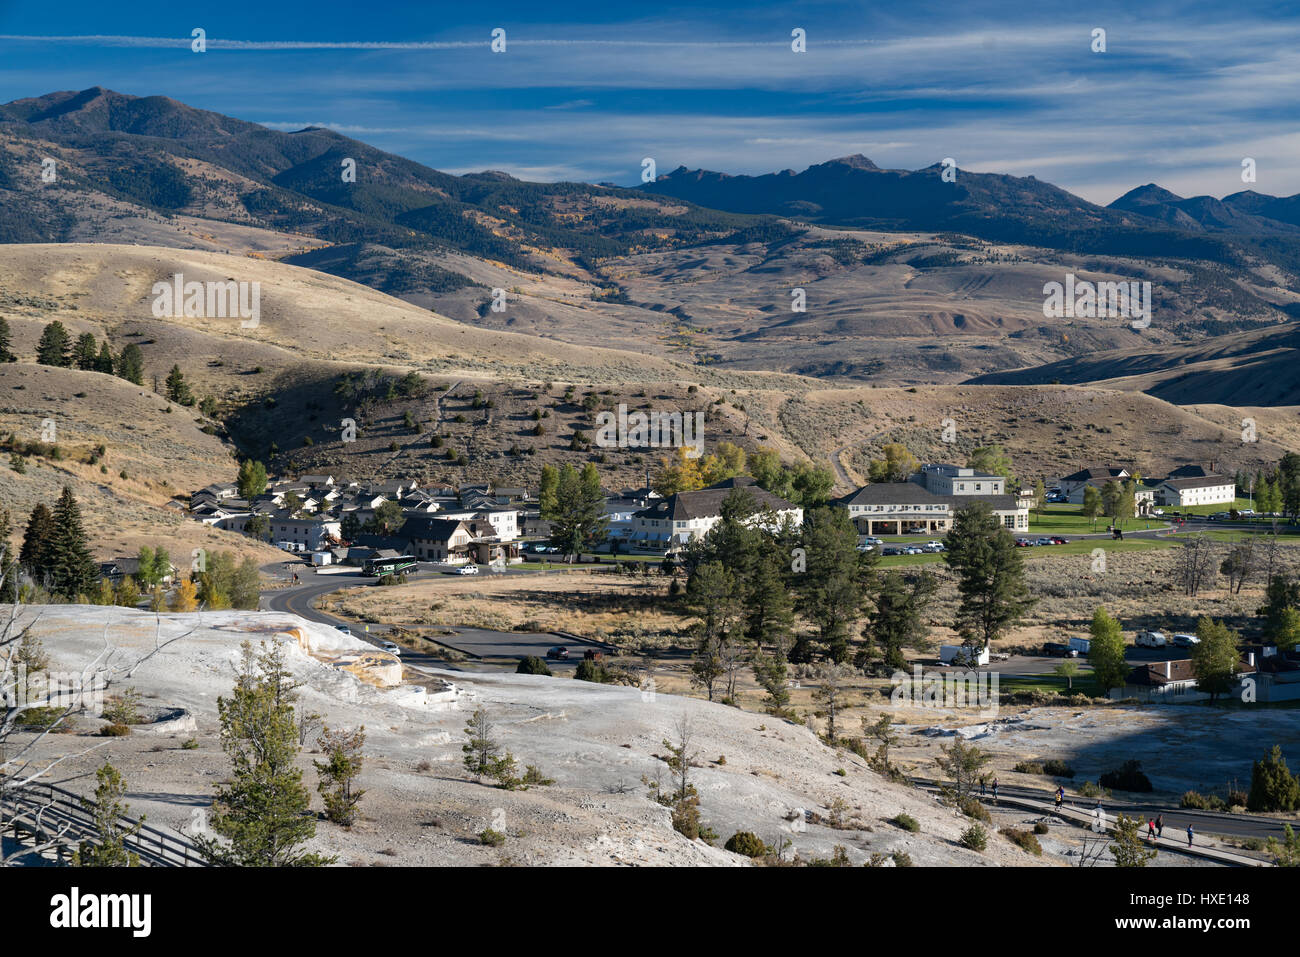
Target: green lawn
pixel 1069 519
pixel 1050 683
pixel 1212 509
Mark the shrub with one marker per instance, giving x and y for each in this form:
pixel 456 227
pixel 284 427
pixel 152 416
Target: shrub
pixel 1041 828
pixel 114 730
pixel 902 859
pixel 972 808
pixel 532 665
pixel 1028 767
pixel 839 858
pixel 907 823
pixel 124 709
pixel 1129 777
pixel 190 744
pixel 1024 840
pixel 1272 786
pixel 746 843
pixel 1058 769
pixel 491 838
pixel 38 718
pixel 975 837
pixel 1089 790
pixel 533 777
pixel 589 671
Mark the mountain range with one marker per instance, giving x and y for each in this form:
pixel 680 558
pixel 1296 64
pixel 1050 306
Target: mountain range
pixel 908 278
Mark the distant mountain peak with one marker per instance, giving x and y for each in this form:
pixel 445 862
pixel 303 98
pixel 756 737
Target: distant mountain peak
pixel 853 161
pixel 1143 195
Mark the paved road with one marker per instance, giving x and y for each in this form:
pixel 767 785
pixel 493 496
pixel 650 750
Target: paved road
pixel 1176 818
pixel 477 642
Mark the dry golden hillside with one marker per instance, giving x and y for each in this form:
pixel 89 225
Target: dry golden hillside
pixel 153 449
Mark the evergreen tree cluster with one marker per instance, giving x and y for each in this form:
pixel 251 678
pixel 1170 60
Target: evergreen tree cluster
pixel 57 348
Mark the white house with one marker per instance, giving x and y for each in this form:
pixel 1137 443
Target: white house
pixel 928 502
pixel 1071 486
pixel 312 534
pixel 685 516
pixel 1197 490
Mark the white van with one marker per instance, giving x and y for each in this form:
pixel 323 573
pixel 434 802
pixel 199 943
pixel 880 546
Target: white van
pixel 1151 639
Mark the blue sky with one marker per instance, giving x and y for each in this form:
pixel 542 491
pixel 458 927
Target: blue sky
pixel 584 91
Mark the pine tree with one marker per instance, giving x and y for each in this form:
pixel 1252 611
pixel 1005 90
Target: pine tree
pixel 338 771
pixel 834 591
pixel 1127 849
pixel 263 811
pixel 481 750
pixel 108 849
pixel 71 568
pixel 896 621
pixel 34 554
pixel 8 561
pixel 178 389
pixel 53 348
pixel 130 364
pixel 1272 785
pixel 991 575
pixel 6 343
pixel 83 354
pixel 104 361
pixel 580 518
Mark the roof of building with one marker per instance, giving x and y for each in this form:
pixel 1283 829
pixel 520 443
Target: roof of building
pixel 1202 481
pixel 1097 472
pixel 1152 673
pixel 430 528
pixel 913 493
pixel 707 502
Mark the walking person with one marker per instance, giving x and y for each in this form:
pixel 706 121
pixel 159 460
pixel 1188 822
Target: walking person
pixel 1189 835
pixel 1151 830
pixel 995 790
pixel 1160 826
pixel 1060 796
pixel 982 780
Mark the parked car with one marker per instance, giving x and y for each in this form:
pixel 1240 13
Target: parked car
pixel 913 550
pixel 559 651
pixel 891 550
pixel 1045 541
pixel 934 547
pixel 1055 649
pixel 343 628
pixel 1058 540
pixel 467 570
pixel 868 547
pixel 1024 543
pixel 392 647
pixel 1184 640
pixel 1151 639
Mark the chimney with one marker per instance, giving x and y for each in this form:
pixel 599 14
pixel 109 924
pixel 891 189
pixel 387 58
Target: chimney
pixel 1250 658
pixel 1169 670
